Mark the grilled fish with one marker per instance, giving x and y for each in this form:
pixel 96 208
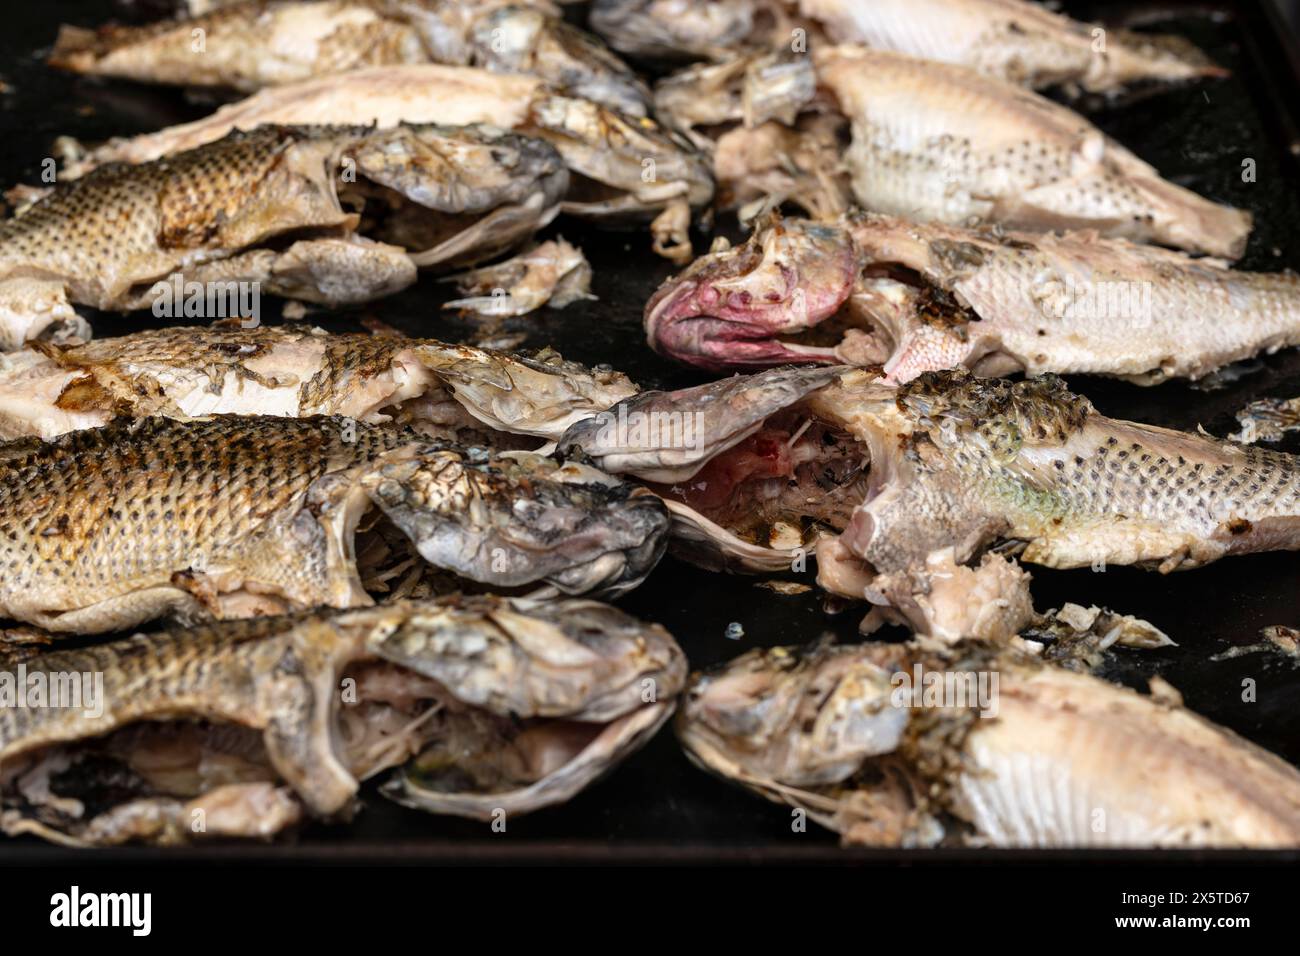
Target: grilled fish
pixel 324 214
pixel 1014 753
pixel 1013 40
pixel 919 297
pixel 451 392
pixel 553 273
pixel 936 142
pixel 684 29
pixel 486 705
pixel 230 516
pixel 914 497
pixel 624 167
pixel 257 43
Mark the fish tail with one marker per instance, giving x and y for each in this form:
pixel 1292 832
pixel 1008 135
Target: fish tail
pixel 1193 222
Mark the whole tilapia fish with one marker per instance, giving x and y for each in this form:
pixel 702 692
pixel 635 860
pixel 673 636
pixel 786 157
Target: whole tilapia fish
pixel 452 392
pixel 324 214
pixel 1014 40
pixel 913 297
pixel 231 516
pixel 937 142
pixel 486 705
pixel 625 167
pixel 913 497
pixel 892 745
pixel 247 46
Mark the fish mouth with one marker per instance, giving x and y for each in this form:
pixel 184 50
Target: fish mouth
pixel 529 765
pixel 749 306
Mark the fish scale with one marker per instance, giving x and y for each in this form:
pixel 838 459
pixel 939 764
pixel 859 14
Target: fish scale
pixel 143 503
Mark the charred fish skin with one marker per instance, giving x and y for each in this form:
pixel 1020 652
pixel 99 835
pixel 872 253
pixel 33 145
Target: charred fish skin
pixel 338 697
pixel 936 142
pixel 454 392
pixel 230 516
pixel 919 297
pixel 251 44
pixel 1014 40
pixel 210 215
pixel 1032 760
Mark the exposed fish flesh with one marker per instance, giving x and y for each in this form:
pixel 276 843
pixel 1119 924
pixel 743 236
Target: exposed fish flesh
pixel 936 142
pixel 624 167
pixel 1013 40
pixel 891 745
pixel 452 392
pixel 914 497
pixel 230 516
pixel 486 705
pixel 553 273
pixel 257 43
pixel 1267 420
pixel 323 214
pixel 912 297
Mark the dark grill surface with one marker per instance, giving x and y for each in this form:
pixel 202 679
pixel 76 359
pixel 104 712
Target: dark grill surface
pixel 656 806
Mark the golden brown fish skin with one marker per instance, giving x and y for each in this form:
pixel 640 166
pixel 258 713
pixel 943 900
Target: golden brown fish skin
pixel 107 239
pixel 1047 758
pixel 250 45
pixel 230 516
pixel 442 390
pixel 642 169
pixel 937 142
pixel 459 669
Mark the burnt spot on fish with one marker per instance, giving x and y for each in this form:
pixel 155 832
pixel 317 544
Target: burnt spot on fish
pixel 1041 408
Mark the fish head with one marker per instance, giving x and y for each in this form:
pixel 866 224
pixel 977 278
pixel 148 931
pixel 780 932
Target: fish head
pixel 669 436
pixel 621 167
pixel 541 698
pixel 520 518
pixel 731 309
pixel 523 39
pixel 674 29
pixel 540 394
pixel 793 717
pixel 452 195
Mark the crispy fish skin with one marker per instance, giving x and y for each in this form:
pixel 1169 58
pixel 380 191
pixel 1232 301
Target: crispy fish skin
pixel 251 45
pixel 1056 759
pixel 534 700
pixel 1013 40
pixel 917 297
pixel 675 29
pixel 639 168
pixel 937 142
pixel 440 389
pixel 230 516
pixel 107 239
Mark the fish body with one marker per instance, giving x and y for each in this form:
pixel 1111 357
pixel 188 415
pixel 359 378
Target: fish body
pixel 214 218
pixel 1013 40
pixel 914 497
pixel 937 142
pixel 493 702
pixel 231 516
pixel 917 297
pixel 453 392
pixel 258 43
pixel 892 745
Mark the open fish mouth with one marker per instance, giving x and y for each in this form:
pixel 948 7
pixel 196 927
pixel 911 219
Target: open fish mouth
pixel 484 706
pixel 263 515
pixel 897 745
